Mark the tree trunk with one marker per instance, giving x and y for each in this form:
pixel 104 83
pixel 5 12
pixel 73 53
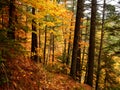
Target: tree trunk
pixel 39 45
pixel 11 31
pixel 92 44
pixel 84 48
pixel 2 23
pixel 76 38
pixel 78 65
pixel 69 50
pixel 45 42
pixel 100 50
pixel 53 47
pixel 34 38
pixel 64 51
pixel 70 36
pixel 49 48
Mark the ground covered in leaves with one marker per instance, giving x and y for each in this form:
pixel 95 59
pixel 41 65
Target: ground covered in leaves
pixel 24 74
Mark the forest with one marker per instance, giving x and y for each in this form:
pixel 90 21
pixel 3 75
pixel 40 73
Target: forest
pixel 59 44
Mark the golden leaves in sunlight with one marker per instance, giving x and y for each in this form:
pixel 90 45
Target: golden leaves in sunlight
pixel 50 24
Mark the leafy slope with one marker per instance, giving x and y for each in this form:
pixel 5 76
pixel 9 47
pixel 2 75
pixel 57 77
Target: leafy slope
pixel 24 74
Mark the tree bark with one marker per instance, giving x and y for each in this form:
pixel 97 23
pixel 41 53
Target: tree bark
pixel 69 50
pixel 91 52
pixel 84 49
pixel 53 47
pixel 39 45
pixel 34 38
pixel 64 51
pixel 45 42
pixel 76 38
pixel 11 31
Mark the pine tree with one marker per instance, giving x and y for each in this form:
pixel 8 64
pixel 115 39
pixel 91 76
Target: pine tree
pixel 100 49
pixel 91 52
pixel 79 15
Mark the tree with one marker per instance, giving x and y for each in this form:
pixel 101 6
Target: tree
pixel 91 51
pixel 76 38
pixel 11 31
pixel 70 36
pixel 79 65
pixel 34 38
pixel 100 49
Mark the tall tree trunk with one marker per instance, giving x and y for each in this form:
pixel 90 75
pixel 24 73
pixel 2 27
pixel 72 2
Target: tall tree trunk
pixel 100 50
pixel 65 44
pixel 49 48
pixel 11 31
pixel 79 65
pixel 34 38
pixel 76 38
pixel 2 22
pixel 64 51
pixel 69 50
pixel 84 49
pixel 70 36
pixel 39 45
pixel 45 42
pixel 91 52
pixel 53 47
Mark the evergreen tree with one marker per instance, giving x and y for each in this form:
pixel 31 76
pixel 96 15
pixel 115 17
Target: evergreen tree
pixel 79 15
pixel 91 52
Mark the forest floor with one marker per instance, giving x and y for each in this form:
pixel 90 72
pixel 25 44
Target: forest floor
pixel 24 74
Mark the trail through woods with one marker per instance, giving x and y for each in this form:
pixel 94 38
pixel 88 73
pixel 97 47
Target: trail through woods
pixel 24 74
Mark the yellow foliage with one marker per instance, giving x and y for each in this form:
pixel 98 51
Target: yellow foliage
pixel 52 31
pixel 50 24
pixel 72 27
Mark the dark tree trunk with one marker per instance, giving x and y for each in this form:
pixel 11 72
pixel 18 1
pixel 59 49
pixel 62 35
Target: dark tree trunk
pixel 69 50
pixel 11 31
pixel 53 47
pixel 64 51
pixel 2 23
pixel 34 38
pixel 76 38
pixel 45 42
pixel 78 65
pixel 100 50
pixel 49 48
pixel 92 44
pixel 84 49
pixel 39 46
